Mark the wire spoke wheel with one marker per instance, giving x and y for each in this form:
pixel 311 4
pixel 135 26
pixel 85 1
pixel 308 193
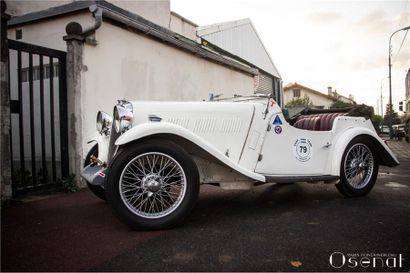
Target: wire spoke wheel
pixel 152 185
pixel 358 166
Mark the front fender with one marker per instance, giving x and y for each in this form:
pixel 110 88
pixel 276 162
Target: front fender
pixel 155 128
pixel 103 143
pixel 383 152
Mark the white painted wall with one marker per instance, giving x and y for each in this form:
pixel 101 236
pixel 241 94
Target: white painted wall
pixel 157 11
pixel 183 27
pixel 19 7
pixel 132 66
pixel 317 100
pixel 49 33
pixel 240 38
pixel 128 65
pixel 344 99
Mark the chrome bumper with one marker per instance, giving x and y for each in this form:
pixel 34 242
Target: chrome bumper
pixel 94 174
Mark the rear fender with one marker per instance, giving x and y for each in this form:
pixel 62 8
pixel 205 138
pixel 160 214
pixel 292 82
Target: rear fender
pixel 382 152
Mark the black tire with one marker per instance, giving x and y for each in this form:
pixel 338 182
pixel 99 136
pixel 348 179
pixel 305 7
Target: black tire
pixel 366 183
pixel 130 213
pixel 97 190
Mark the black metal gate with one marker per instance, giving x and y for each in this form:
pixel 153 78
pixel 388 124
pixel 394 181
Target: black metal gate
pixel 38 104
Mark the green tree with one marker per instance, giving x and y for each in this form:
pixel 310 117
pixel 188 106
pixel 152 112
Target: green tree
pixel 394 118
pixel 305 101
pixel 340 104
pixel 377 120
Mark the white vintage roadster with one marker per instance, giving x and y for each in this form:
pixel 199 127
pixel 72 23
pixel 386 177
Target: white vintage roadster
pixel 151 157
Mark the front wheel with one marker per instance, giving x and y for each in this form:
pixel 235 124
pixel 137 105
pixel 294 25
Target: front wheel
pixel 152 184
pixel 359 168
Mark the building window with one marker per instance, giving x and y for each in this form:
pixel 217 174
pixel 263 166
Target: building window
pixel 296 93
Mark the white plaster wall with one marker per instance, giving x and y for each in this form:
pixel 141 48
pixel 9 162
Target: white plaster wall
pixel 49 33
pixel 157 11
pixel 182 27
pixel 287 96
pixel 344 99
pixel 19 7
pixel 127 65
pixel 134 67
pixel 317 100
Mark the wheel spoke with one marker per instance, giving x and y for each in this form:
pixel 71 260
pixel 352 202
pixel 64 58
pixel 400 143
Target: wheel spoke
pixel 141 166
pixel 137 197
pixel 152 185
pixel 165 165
pixel 136 170
pixel 358 166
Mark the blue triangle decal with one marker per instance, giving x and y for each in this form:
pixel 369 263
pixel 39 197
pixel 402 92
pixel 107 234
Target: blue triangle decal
pixel 277 121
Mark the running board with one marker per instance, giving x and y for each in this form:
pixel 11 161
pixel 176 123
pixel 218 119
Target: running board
pixel 291 179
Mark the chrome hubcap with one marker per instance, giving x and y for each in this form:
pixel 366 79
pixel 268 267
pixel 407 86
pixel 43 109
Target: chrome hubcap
pixel 359 164
pixel 152 185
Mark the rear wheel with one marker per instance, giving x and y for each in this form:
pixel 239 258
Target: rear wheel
pixel 97 190
pixel 359 168
pixel 152 185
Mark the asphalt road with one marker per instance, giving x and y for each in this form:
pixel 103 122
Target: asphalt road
pixel 271 228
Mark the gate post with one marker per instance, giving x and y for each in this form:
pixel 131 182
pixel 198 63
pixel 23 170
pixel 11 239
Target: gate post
pixel 5 158
pixel 74 70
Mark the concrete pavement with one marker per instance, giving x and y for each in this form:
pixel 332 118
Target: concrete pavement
pixel 270 228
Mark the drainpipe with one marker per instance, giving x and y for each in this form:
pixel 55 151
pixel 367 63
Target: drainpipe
pixel 91 30
pixel 87 35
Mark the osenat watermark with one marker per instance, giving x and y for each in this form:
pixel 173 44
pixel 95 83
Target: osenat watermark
pixel 366 260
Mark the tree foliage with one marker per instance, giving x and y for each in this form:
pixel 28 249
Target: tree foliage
pixel 340 104
pixel 377 119
pixel 394 119
pixel 305 101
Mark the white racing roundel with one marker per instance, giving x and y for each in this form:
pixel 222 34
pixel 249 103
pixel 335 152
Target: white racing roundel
pixel 302 149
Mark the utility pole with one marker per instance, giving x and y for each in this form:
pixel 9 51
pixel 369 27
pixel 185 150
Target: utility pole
pixel 381 100
pixel 377 111
pixel 390 96
pixel 381 96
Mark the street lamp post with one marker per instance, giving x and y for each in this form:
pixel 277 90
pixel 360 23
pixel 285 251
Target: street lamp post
pixel 390 97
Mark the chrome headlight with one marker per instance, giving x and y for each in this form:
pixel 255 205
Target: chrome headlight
pixel 123 116
pixel 104 122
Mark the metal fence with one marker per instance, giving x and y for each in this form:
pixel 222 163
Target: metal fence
pixel 38 104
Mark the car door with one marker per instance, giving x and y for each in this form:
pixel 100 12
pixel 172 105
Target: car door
pixel 289 151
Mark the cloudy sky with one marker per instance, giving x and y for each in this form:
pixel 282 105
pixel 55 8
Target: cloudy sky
pixel 343 44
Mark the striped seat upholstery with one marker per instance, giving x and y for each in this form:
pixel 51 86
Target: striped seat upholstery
pixel 317 122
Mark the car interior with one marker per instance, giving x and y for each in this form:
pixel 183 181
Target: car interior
pixel 322 119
